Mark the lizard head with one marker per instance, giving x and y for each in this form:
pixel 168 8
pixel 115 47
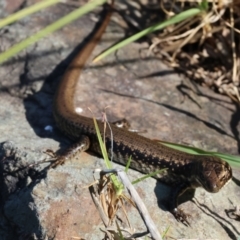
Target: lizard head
pixel 213 173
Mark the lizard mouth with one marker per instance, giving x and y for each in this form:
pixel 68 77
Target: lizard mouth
pixel 210 187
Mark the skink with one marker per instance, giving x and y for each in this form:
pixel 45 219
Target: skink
pixel 186 170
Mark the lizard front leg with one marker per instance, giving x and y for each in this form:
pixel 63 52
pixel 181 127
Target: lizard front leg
pixel 179 188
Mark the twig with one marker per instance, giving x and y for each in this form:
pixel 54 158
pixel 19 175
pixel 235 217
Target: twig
pixel 140 206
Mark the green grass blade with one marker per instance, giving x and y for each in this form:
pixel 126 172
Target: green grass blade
pixel 27 11
pixel 165 232
pixel 117 185
pixel 49 29
pixel 204 5
pixel 148 175
pixel 175 19
pixel 102 146
pixel 120 232
pixel 128 163
pixel 231 159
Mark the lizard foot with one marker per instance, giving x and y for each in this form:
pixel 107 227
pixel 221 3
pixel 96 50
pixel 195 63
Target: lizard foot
pixel 181 216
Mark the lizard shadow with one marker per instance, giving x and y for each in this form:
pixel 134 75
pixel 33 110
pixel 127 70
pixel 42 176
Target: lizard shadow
pixel 39 105
pixel 163 195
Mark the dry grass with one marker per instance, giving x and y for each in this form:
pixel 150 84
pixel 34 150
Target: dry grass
pixel 205 47
pixel 111 207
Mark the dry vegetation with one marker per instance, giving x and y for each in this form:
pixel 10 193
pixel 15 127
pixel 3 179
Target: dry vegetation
pixel 205 47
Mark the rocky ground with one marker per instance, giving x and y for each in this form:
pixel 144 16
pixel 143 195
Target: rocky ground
pixel 134 85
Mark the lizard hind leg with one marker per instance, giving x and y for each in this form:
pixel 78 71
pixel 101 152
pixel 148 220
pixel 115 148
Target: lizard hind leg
pixel 124 123
pixel 81 145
